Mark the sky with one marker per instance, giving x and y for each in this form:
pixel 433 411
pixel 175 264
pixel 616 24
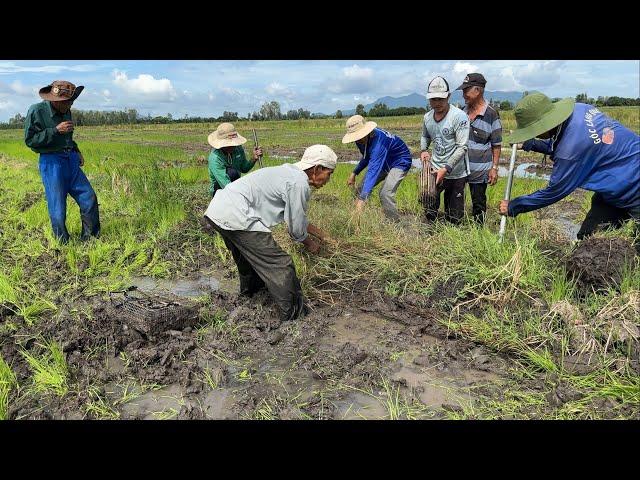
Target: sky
pixel 207 87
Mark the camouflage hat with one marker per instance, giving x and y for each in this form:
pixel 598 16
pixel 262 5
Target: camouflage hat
pixel 60 90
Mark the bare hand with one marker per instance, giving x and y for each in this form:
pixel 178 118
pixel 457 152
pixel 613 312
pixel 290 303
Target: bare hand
pixel 493 176
pixel 316 232
pixel 351 181
pixel 311 245
pixel 360 205
pixel 440 176
pixel 504 207
pixel 65 127
pixel 425 157
pixel 257 152
pixel 518 146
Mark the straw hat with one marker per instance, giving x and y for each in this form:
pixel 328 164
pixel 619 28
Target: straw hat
pixel 536 114
pixel 318 155
pixel 225 136
pixel 357 129
pixel 60 91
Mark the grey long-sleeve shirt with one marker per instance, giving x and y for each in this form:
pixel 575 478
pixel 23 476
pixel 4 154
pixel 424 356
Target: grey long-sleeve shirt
pixel 450 136
pixel 263 199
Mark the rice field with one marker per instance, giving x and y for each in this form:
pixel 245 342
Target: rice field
pixel 152 183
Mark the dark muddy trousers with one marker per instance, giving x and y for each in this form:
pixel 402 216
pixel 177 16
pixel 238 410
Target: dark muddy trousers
pixel 602 215
pixel 62 176
pixel 478 201
pixel 453 200
pixel 262 263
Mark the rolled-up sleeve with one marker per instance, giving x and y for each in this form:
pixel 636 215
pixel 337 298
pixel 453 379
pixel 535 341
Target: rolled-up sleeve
pixel 295 211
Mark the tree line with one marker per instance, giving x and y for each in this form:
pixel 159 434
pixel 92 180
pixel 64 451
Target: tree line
pixel 271 111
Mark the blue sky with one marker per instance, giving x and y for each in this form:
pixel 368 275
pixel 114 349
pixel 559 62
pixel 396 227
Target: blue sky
pixel 207 88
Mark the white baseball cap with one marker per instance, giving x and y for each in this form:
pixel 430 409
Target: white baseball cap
pixel 438 88
pixel 317 155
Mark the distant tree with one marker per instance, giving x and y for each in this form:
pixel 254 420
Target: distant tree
pixel 582 98
pixel 338 113
pixel 270 111
pixel 360 109
pixel 302 113
pixel 17 121
pixel 379 110
pixel 228 117
pixel 506 105
pixel 292 115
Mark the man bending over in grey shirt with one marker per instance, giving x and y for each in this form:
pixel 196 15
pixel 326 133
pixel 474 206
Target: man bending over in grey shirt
pixel 244 210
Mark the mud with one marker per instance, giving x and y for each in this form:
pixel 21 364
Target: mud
pixel 600 262
pixel 338 362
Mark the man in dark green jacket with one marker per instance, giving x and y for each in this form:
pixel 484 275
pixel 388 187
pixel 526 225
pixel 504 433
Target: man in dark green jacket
pixel 48 131
pixel 227 159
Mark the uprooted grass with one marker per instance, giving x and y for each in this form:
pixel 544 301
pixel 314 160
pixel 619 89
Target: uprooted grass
pixel 7 383
pixel 50 371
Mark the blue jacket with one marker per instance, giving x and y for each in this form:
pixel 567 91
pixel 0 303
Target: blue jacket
pixel 384 152
pixel 593 152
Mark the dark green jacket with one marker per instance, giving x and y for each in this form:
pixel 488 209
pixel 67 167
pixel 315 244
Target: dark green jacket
pixel 40 132
pixel 218 163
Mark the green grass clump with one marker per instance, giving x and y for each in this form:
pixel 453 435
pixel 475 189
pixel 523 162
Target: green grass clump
pixel 50 372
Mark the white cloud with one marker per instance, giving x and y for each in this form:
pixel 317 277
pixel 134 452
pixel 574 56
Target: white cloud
pixel 538 74
pixel 464 67
pixel 279 90
pixel 20 89
pixel 354 79
pixel 145 86
pixel 10 67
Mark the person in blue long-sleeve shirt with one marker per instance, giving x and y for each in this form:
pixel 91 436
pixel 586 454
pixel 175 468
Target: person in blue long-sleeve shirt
pixel 386 157
pixel 590 151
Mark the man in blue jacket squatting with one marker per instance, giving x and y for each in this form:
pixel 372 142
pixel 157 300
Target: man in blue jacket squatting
pixel 589 150
pixel 387 157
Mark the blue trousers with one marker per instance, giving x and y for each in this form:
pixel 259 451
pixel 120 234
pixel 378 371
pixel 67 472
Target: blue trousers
pixel 61 175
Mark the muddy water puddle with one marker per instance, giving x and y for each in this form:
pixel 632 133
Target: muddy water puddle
pixel 354 365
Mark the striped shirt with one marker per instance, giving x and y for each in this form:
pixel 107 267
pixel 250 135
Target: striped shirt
pixel 485 132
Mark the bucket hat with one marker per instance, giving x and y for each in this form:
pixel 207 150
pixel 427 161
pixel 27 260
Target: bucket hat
pixel 225 135
pixel 60 90
pixel 536 114
pixel 357 128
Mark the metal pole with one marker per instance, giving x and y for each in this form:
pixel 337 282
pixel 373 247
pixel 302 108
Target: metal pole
pixel 507 193
pixel 255 144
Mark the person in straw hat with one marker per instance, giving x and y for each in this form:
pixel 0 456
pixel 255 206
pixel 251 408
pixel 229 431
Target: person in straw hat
pixel 227 158
pixel 387 157
pixel 448 128
pixel 48 131
pixel 244 211
pixel 589 150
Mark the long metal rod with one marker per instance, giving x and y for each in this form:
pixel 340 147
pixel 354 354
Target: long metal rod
pixel 255 144
pixel 507 193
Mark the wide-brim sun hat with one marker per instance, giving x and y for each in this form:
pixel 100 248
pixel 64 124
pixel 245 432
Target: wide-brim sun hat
pixel 357 128
pixel 60 91
pixel 318 155
pixel 536 114
pixel 225 135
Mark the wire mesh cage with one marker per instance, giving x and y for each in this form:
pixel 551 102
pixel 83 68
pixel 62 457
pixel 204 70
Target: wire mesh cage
pixel 152 314
pixel 427 191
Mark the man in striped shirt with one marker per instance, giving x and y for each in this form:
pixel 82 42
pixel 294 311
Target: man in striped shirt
pixel 485 142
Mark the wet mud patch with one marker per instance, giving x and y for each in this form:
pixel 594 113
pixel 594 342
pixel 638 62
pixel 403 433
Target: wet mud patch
pixel 240 361
pixel 601 262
